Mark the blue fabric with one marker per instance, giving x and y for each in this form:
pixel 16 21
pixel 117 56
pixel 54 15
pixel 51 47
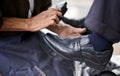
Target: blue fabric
pixel 99 43
pixel 25 55
pixel 104 18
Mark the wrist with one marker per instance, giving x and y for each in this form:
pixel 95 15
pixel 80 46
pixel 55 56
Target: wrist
pixel 29 24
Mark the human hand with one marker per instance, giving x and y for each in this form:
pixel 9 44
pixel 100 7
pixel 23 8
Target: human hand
pixel 67 31
pixel 46 18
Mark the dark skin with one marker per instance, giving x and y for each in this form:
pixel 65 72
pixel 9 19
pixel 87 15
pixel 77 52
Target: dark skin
pixel 46 19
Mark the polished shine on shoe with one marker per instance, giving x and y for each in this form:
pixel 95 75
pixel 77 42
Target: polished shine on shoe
pixel 78 49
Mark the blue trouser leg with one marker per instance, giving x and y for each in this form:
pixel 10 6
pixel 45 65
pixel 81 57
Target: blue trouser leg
pixel 25 56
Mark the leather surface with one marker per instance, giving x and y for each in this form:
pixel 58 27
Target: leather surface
pixel 79 48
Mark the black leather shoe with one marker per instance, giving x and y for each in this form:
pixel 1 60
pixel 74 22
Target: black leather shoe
pixel 80 49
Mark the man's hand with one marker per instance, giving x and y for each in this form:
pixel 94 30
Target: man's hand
pixel 44 19
pixel 67 31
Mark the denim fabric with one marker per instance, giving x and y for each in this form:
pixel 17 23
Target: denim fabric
pixel 23 55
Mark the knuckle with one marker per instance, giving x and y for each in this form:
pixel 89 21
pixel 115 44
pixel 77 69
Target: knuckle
pixel 54 17
pixel 52 21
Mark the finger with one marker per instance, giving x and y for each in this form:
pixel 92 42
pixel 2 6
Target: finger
pixel 56 12
pixel 76 35
pixel 55 18
pixel 80 30
pixel 59 14
pixel 53 9
pixel 70 35
pixel 52 23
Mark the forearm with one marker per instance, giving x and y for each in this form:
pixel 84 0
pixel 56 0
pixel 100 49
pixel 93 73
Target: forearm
pixel 36 23
pixel 15 24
